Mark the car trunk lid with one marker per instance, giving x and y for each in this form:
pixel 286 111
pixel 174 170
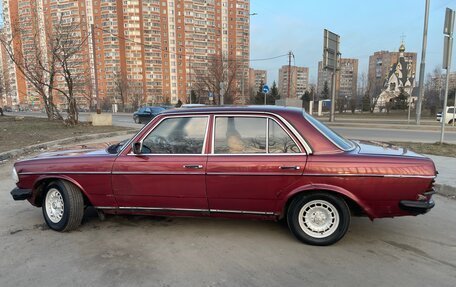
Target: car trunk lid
pixel 381 148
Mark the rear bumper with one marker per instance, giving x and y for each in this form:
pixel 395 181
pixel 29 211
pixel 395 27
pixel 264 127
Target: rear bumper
pixel 21 194
pixel 416 207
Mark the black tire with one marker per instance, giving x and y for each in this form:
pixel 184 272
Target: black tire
pixel 324 205
pixel 136 119
pixel 73 206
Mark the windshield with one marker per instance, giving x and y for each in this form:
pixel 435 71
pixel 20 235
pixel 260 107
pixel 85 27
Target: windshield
pixel 329 133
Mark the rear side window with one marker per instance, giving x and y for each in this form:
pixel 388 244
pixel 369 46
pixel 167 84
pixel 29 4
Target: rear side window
pixel 183 135
pixel 251 135
pixel 279 141
pixel 238 135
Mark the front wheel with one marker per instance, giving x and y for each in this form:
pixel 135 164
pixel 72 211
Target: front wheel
pixel 63 206
pixel 318 218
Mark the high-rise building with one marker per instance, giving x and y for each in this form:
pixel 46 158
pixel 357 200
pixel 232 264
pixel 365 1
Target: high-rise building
pixel 380 64
pixel 298 79
pixel 257 78
pixel 347 78
pixel 346 81
pixel 152 51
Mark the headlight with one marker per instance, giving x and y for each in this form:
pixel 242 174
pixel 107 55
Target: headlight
pixel 15 176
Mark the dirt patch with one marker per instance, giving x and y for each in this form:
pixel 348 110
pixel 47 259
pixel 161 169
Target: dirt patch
pixel 444 149
pixel 18 132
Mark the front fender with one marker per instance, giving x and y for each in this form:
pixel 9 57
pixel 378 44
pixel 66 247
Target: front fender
pixel 38 186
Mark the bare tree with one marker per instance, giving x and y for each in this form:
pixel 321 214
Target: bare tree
pixel 2 91
pixel 85 90
pixel 433 89
pixel 69 43
pixel 210 79
pixel 120 89
pixel 136 95
pixel 37 65
pixel 373 92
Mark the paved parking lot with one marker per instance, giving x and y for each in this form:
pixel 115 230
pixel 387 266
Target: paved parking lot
pixel 152 251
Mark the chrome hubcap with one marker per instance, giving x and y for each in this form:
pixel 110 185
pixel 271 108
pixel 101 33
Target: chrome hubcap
pixel 318 218
pixel 54 205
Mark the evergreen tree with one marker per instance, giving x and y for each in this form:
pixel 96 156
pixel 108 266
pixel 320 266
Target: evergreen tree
pixel 194 97
pixel 401 100
pixel 179 104
pixel 325 92
pixel 366 102
pixel 273 94
pixel 306 98
pixel 259 97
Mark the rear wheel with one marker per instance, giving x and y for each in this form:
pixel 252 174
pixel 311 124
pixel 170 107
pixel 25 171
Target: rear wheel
pixel 63 206
pixel 318 218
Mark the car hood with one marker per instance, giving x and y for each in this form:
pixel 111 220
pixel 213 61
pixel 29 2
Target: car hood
pixel 381 148
pixel 73 153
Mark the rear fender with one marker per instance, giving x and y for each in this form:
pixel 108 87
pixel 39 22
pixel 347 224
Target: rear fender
pixel 326 187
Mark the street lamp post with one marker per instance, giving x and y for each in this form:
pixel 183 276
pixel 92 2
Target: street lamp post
pixel 422 64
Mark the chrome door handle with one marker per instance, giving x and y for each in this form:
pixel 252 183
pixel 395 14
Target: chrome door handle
pixel 194 166
pixel 290 167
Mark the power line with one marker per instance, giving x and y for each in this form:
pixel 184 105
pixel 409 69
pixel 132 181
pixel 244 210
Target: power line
pixel 182 54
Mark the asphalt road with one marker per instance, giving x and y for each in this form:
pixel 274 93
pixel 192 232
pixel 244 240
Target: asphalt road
pixel 368 132
pixel 152 251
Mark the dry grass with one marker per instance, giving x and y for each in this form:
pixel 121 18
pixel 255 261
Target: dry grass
pixel 28 131
pixel 444 149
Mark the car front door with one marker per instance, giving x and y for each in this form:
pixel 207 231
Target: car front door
pixel 169 174
pixel 253 159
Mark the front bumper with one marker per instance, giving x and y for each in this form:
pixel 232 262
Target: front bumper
pixel 21 194
pixel 416 206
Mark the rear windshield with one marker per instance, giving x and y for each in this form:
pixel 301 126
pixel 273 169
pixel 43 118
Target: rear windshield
pixel 330 134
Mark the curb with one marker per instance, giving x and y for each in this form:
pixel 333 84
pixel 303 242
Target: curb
pixel 17 152
pixel 446 190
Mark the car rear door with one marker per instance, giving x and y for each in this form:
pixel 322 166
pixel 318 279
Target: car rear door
pixel 253 160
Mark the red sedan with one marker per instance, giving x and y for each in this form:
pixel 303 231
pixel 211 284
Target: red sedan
pixel 245 162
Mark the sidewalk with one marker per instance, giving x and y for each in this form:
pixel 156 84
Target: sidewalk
pixel 446 179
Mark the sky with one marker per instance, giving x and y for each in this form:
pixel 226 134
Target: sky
pixel 364 27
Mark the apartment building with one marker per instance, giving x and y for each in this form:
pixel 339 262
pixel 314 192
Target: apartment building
pixel 257 78
pixel 156 50
pixel 347 78
pixel 298 81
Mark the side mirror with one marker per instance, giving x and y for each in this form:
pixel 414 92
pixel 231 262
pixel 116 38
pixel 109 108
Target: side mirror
pixel 136 147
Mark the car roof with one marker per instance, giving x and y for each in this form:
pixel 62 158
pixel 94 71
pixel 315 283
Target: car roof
pixel 237 109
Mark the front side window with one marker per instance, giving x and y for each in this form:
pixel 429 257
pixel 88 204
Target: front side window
pixel 183 135
pixel 240 135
